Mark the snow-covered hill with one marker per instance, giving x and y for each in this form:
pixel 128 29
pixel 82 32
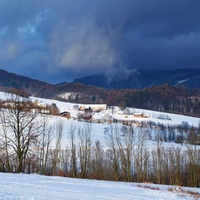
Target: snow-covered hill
pixel 37 187
pixel 99 128
pixel 157 117
pixel 116 113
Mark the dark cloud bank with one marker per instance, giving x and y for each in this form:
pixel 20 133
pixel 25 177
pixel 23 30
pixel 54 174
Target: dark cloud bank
pixel 61 40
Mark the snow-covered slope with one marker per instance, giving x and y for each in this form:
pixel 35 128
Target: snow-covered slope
pixel 36 187
pixel 98 129
pixel 157 117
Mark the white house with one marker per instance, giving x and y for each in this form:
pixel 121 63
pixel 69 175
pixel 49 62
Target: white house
pixel 102 118
pixel 93 107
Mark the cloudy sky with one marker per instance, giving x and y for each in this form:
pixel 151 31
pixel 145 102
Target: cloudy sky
pixel 59 40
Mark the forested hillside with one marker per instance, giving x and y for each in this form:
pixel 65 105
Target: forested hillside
pixel 138 79
pixel 9 81
pixel 175 99
pixel 160 98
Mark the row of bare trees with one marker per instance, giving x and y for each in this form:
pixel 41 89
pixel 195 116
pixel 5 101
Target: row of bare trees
pixel 125 155
pixel 128 155
pixel 31 143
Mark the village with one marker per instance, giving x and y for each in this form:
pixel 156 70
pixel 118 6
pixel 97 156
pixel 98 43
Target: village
pixel 93 113
pixel 104 114
pixel 101 113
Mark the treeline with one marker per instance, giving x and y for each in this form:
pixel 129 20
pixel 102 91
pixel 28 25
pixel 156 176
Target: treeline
pixel 84 93
pixel 159 98
pixel 128 156
pixel 9 81
pixel 165 98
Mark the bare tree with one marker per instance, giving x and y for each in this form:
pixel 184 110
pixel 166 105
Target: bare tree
pixel 57 151
pixel 4 140
pixel 110 138
pixel 85 142
pixel 141 155
pixel 44 143
pixel 98 161
pixel 23 128
pixel 193 168
pixel 125 143
pixel 73 157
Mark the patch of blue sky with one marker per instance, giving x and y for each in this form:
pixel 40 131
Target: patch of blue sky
pixel 3 30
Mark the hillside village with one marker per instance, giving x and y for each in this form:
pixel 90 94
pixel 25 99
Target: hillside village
pixel 101 113
pixel 97 113
pixel 165 126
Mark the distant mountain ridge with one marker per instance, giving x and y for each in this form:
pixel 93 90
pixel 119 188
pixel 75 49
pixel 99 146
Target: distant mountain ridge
pixel 10 80
pixel 134 80
pixel 145 78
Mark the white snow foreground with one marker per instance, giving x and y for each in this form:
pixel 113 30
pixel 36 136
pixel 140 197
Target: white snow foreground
pixel 37 187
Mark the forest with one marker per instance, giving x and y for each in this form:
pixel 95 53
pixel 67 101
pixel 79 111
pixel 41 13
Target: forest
pixel 165 98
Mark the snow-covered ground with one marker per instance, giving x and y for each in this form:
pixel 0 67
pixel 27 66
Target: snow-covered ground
pixel 32 187
pixel 37 187
pixel 98 129
pixel 157 117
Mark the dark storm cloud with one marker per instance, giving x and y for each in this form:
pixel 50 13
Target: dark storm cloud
pixel 61 40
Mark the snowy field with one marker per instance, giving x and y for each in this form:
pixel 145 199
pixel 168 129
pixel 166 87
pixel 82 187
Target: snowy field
pixel 118 114
pixel 97 129
pixel 37 187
